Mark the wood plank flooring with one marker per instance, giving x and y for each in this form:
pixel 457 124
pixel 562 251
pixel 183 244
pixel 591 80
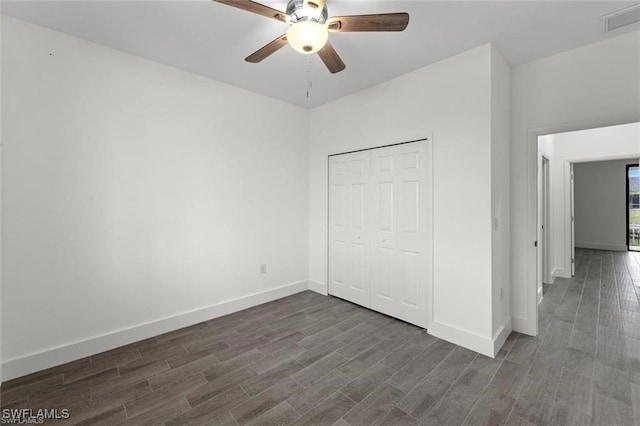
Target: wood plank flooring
pixel 309 359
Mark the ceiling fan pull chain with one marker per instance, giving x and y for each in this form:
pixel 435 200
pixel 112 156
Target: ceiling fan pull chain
pixel 309 84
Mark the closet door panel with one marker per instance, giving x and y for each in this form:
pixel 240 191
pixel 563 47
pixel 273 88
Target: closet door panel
pixel 340 268
pixel 359 265
pixel 411 301
pixel 409 209
pixel 348 228
pixel 384 229
pixel 409 282
pixel 338 211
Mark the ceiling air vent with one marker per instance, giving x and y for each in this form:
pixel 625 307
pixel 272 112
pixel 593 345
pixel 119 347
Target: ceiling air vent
pixel 622 18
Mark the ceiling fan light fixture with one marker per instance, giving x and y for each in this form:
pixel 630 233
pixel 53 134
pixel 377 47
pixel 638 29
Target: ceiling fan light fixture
pixel 307 36
pixel 309 28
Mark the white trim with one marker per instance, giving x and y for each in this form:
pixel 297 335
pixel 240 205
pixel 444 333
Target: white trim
pixel 519 324
pixel 430 250
pixel 540 293
pixel 601 246
pixel 318 287
pixel 75 350
pixel 472 341
pixel 501 336
pixel 426 136
pixel 558 272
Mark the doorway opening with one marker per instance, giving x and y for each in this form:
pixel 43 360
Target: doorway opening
pixel 633 207
pixel 554 233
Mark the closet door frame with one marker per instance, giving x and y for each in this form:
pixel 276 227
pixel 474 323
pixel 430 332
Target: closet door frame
pixel 427 244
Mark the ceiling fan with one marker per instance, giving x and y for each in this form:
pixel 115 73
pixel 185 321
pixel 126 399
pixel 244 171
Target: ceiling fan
pixel 309 27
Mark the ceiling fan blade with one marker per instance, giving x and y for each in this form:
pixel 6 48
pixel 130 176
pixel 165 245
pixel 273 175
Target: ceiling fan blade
pixel 377 22
pixel 267 50
pixel 331 59
pixel 255 7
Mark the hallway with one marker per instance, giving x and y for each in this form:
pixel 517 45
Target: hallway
pixel 584 366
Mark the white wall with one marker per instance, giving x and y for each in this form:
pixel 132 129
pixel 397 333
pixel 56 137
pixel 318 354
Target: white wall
pixel 600 204
pixel 451 100
pixel 137 198
pixel 592 86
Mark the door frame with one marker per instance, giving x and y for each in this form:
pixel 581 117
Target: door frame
pixel 572 217
pixel 529 325
pixel 545 223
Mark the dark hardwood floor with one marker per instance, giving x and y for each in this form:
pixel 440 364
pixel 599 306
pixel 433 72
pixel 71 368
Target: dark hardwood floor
pixel 309 359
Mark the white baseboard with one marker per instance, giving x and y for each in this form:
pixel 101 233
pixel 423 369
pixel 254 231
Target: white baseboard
pixel 557 272
pixel 31 363
pixel 562 272
pixel 519 324
pixel 540 294
pixel 601 246
pixel 318 287
pixel 472 341
pixel 551 278
pixel 501 336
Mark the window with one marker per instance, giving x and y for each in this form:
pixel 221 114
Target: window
pixel 633 207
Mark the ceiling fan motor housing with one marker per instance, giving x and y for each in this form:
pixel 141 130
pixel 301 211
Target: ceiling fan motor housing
pixel 301 10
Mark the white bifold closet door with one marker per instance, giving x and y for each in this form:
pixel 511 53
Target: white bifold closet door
pixel 349 234
pixel 379 229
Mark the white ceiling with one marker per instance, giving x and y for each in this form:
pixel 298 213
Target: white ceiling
pixel 212 39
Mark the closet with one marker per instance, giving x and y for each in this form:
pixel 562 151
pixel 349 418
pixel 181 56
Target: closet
pixel 380 229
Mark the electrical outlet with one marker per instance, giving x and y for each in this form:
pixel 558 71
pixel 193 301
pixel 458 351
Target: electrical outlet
pixel 263 268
